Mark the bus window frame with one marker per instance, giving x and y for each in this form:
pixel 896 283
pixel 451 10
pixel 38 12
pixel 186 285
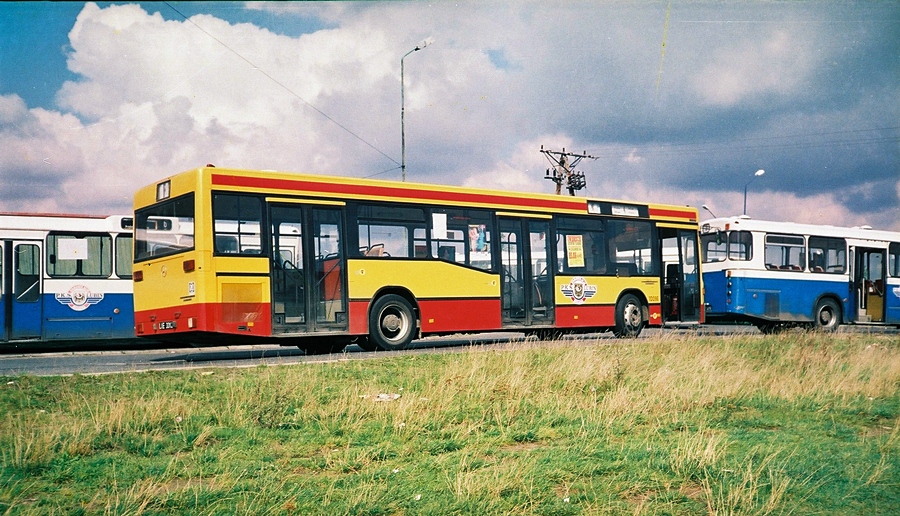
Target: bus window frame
pixel 123 274
pixel 139 216
pixel 244 239
pixel 784 243
pixel 813 242
pixel 106 256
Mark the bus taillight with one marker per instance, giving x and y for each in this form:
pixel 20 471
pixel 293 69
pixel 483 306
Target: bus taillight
pixel 138 276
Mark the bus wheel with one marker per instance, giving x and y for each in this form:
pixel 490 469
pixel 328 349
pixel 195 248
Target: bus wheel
pixel 828 315
pixel 365 343
pixel 629 316
pixel 392 322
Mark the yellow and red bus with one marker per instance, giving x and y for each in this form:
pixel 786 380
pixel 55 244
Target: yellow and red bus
pixel 319 262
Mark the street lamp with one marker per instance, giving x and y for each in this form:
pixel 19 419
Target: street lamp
pixel 705 207
pixel 420 46
pixel 757 174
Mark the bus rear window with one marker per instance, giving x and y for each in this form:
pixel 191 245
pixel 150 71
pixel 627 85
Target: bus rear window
pixel 733 245
pixel 164 229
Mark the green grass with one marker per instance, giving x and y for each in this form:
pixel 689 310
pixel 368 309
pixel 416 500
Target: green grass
pixel 789 424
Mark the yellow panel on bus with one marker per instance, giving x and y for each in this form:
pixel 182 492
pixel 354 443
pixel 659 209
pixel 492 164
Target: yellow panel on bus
pixel 602 290
pixel 427 279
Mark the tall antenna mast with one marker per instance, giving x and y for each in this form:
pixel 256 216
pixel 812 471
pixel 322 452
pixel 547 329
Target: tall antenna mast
pixel 563 171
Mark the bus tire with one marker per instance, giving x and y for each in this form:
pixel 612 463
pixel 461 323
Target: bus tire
pixel 365 343
pixel 392 322
pixel 629 317
pixel 827 316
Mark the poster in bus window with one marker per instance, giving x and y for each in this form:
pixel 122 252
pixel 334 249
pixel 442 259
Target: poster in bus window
pixel 72 249
pixel 478 238
pixel 575 250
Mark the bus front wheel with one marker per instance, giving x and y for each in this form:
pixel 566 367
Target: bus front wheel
pixel 828 315
pixel 392 322
pixel 629 316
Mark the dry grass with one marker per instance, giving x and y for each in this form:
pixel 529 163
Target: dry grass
pixel 683 425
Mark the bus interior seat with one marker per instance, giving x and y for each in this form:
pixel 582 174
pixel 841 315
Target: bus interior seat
pixel 375 250
pixel 672 275
pixel 626 269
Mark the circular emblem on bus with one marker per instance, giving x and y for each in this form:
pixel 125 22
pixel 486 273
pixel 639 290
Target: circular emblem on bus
pixel 163 270
pixel 578 290
pixel 79 298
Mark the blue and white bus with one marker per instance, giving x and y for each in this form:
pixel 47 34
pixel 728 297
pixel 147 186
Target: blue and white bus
pixel 780 274
pixel 65 278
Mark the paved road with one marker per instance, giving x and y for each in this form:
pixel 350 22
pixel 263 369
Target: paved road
pixel 53 363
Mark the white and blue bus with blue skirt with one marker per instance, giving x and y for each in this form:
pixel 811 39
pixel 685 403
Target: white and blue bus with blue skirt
pixel 65 279
pixel 776 275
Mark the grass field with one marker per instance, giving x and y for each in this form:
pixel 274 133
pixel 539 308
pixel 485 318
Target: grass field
pixel 796 423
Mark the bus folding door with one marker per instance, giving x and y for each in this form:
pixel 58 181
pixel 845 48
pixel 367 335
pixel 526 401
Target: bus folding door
pixel 21 294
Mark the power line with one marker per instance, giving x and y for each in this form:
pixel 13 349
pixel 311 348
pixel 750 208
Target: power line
pixel 276 81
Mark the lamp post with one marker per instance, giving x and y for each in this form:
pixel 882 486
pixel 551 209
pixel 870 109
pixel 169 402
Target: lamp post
pixel 757 174
pixel 705 207
pixel 420 46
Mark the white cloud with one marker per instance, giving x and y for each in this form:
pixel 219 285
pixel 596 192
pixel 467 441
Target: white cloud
pixel 775 64
pixel 154 97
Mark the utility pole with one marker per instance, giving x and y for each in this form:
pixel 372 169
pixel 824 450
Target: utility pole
pixel 563 171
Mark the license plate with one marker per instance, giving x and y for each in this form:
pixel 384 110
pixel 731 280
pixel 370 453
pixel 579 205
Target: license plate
pixel 167 325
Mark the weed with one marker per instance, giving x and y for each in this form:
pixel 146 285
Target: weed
pixel 792 423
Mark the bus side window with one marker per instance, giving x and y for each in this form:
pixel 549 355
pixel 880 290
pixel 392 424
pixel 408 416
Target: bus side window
pixel 27 277
pixel 894 259
pixel 827 255
pixel 227 244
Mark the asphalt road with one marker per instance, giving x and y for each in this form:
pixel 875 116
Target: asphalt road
pixel 122 360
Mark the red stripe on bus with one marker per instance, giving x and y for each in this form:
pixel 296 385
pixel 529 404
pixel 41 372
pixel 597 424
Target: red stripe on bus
pixel 450 315
pixel 670 214
pixel 395 192
pixel 580 316
pixel 596 316
pixel 439 315
pixel 247 319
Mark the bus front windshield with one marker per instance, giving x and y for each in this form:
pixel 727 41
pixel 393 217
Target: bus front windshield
pixel 164 229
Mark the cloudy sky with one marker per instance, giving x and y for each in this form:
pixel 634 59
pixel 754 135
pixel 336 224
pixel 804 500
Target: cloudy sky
pixel 680 102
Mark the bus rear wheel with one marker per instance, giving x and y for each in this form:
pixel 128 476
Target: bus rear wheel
pixel 828 316
pixel 392 322
pixel 365 343
pixel 629 316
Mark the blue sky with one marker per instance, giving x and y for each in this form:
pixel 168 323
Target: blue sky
pixel 681 102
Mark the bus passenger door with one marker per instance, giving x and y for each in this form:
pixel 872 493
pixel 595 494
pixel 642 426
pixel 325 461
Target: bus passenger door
pixel 288 269
pixel 526 287
pixel 21 293
pixel 307 269
pixel 869 285
pixel 327 259
pixel 681 276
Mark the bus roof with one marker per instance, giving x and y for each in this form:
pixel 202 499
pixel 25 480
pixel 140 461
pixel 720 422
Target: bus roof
pixel 742 222
pixel 64 222
pixel 350 188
